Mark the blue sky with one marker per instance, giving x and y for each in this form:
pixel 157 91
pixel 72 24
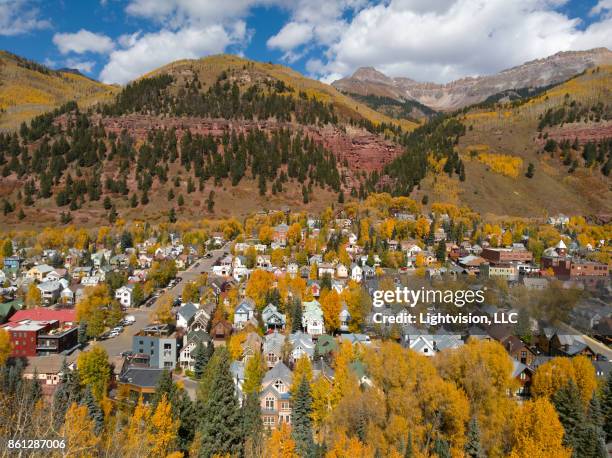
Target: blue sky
pixel 427 40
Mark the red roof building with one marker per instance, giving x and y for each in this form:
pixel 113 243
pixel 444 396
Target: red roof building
pixel 45 314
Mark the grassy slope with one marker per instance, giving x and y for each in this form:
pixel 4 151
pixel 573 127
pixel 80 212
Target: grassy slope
pixel 514 132
pixel 25 93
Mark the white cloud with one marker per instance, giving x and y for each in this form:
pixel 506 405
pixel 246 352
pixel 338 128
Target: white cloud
pixel 152 50
pixel 83 41
pixel 601 7
pixel 291 35
pixel 448 39
pixel 312 22
pixel 19 16
pixel 85 66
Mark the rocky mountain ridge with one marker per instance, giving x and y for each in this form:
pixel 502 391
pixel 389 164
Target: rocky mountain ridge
pixel 471 90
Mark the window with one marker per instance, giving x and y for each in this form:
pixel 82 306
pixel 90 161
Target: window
pixel 268 421
pixel 285 405
pixel 280 386
pixel 167 346
pixel 270 402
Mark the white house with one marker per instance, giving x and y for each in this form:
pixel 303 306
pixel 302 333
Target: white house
pixel 356 273
pixel 123 294
pixel 312 318
pixel 345 318
pixel 244 312
pixel 341 271
pixel 301 345
pixel 185 315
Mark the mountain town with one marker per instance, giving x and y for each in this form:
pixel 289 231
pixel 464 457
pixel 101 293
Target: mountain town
pixel 257 336
pixel 214 258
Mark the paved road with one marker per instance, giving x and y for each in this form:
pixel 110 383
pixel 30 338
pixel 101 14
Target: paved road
pixel 115 345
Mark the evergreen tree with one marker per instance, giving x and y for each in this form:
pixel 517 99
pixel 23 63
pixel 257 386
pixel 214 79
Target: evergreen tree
pixel 94 410
pixel 441 251
pixel 82 333
pixel 296 317
pixel 301 420
pixel 408 453
pixel 606 408
pixel 568 403
pixel 200 361
pixel 112 215
pixel 341 197
pixel 473 448
pixel 134 201
pixel 530 170
pixel 107 203
pixel 181 200
pixel 441 448
pixel 222 423
pixel 252 425
pixel 172 215
pixel 61 397
pixel 165 386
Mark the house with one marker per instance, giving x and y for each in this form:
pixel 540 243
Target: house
pixel 275 396
pixel 326 268
pixel 312 318
pixel 221 330
pixel 185 315
pixel 190 342
pixel 263 261
pixel 237 371
pixel 39 272
pixel 341 271
pixel 272 318
pixel 244 313
pixel 345 318
pixel 356 273
pixel 251 346
pixel 201 319
pixel 159 343
pixel 292 269
pixel 279 235
pixel 518 351
pixel 12 264
pixel 50 291
pixel 48 370
pixel 354 338
pixel 301 345
pixel 273 348
pixel 139 382
pixel 124 295
pixel 524 375
pixel 40 337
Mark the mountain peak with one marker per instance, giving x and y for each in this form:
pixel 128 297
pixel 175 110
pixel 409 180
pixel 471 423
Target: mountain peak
pixel 470 90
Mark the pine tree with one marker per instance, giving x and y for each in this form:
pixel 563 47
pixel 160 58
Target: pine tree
pixel 165 386
pixel 94 410
pixel 473 448
pixel 200 361
pixel 134 201
pixel 441 251
pixel 251 424
pixel 172 215
pixel 441 448
pixel 222 423
pixel 112 215
pixel 606 408
pixel 82 333
pixel 302 423
pixel 530 170
pixel 181 200
pixel 61 397
pixel 568 403
pixel 296 317
pixel 107 203
pixel 341 197
pixel 408 453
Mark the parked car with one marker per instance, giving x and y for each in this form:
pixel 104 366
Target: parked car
pixel 113 334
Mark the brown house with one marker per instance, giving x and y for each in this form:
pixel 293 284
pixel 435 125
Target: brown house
pixel 221 330
pixel 518 351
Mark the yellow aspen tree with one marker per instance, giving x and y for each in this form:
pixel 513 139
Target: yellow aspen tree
pixel 135 441
pixel 281 444
pixel 162 429
pixel 78 430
